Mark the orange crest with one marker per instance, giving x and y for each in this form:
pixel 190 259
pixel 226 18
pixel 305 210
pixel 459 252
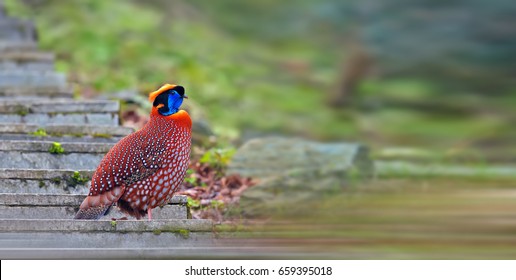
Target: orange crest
pixel 163 88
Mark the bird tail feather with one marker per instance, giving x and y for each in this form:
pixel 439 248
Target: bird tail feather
pixel 95 206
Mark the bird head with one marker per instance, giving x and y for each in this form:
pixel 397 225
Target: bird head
pixel 167 99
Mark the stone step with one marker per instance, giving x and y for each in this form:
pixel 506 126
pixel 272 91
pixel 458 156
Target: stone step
pixel 36 155
pixel 27 56
pixel 36 92
pixel 101 131
pixel 14 29
pixel 3 13
pixel 19 45
pixel 8 106
pixel 20 159
pixel 53 206
pixel 26 61
pixel 77 226
pixel 204 250
pixel 20 78
pixel 97 138
pixel 44 146
pixel 20 233
pixel 43 174
pixel 59 111
pixel 45 181
pixel 26 66
pixel 30 199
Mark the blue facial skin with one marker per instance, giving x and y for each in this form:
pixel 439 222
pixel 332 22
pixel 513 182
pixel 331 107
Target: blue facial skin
pixel 174 102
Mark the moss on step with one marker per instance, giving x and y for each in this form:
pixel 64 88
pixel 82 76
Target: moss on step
pixel 56 148
pixel 76 134
pixel 21 110
pixel 78 178
pixel 102 135
pixel 184 233
pixel 40 132
pixel 56 180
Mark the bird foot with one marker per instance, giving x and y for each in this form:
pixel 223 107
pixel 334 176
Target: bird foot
pixel 120 219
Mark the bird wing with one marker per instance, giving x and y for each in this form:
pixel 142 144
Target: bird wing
pixel 132 159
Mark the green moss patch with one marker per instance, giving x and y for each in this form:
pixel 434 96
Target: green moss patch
pixel 56 148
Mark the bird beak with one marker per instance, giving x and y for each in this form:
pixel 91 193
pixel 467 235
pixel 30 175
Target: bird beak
pixel 185 97
pixel 160 105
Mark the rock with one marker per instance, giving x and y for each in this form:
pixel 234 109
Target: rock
pixel 294 171
pixel 272 156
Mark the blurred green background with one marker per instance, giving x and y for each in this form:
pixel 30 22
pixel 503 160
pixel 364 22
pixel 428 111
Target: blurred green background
pixel 421 81
pixel 277 66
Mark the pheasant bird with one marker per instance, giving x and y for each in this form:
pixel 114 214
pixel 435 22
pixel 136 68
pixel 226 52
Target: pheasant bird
pixel 144 169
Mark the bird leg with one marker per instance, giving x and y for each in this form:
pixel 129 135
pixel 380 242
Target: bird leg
pixel 149 213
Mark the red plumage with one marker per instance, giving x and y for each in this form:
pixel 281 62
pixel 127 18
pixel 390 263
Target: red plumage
pixel 144 169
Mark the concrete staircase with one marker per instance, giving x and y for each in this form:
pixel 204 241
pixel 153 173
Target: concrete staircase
pixel 62 206
pixel 41 188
